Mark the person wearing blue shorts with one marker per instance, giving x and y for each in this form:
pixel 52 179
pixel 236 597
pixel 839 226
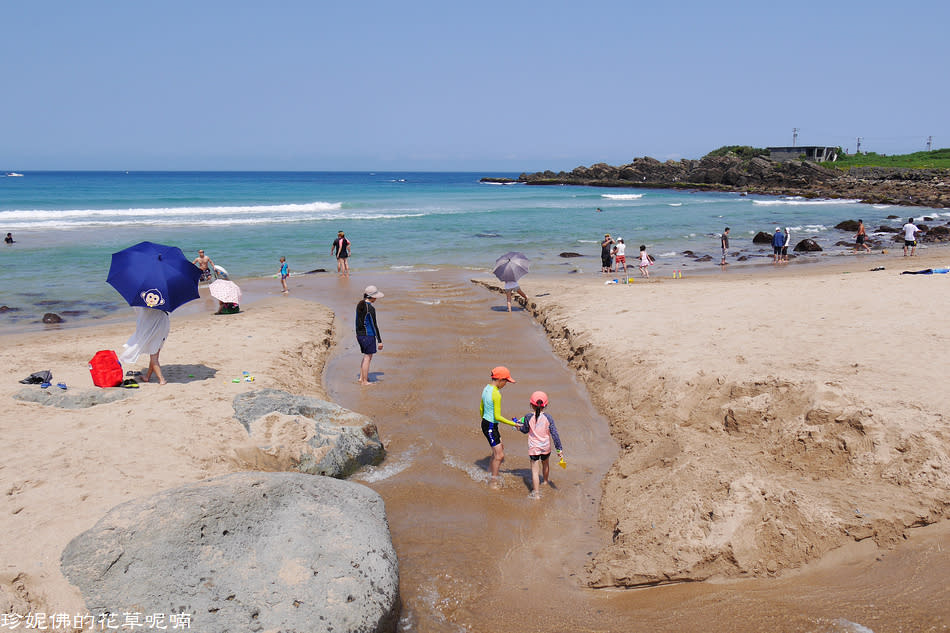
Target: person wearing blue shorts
pixel 367 330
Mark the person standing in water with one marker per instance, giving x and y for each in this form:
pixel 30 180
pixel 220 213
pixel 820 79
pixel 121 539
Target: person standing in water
pixel 540 429
pixel 490 410
pixel 341 250
pixel 861 239
pixel 724 243
pixel 367 330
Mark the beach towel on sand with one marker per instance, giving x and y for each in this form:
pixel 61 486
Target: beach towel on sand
pixel 151 329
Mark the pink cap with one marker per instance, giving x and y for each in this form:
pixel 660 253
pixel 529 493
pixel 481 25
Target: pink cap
pixel 539 399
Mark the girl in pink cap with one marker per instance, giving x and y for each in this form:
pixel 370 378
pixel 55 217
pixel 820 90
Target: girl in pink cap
pixel 540 429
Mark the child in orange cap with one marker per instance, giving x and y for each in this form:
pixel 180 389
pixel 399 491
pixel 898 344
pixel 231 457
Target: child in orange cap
pixel 540 429
pixel 490 410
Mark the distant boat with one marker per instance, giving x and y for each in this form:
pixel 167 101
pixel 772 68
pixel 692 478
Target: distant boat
pixel 13 174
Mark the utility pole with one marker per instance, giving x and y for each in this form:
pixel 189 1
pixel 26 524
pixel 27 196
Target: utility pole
pixel 930 141
pixel 858 150
pixel 794 136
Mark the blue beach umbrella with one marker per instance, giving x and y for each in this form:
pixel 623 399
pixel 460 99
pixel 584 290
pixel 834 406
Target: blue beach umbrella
pixel 154 276
pixel 511 266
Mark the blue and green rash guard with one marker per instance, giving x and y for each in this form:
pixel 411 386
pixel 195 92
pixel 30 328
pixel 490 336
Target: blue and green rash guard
pixel 490 406
pixel 366 320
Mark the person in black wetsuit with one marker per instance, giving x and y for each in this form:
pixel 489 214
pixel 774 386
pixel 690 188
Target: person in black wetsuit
pixel 367 330
pixel 606 261
pixel 341 249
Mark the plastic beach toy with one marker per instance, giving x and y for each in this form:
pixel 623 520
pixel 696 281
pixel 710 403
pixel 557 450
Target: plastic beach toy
pixel 562 463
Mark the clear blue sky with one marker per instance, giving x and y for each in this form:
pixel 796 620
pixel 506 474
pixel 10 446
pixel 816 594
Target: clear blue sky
pixel 485 86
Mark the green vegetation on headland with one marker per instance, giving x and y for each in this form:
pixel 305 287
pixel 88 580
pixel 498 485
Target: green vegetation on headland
pixel 937 159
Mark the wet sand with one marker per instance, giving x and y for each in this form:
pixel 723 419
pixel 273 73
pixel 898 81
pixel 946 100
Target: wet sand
pixel 476 559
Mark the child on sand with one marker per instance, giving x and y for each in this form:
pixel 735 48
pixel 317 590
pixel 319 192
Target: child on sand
pixel 645 260
pixel 540 429
pixel 284 274
pixel 490 410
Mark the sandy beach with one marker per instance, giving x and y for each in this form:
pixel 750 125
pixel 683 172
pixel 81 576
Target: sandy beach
pixel 66 468
pixel 779 430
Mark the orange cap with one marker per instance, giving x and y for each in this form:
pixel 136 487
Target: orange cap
pixel 501 373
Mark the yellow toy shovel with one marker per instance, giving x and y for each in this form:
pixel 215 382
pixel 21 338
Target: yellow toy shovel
pixel 562 463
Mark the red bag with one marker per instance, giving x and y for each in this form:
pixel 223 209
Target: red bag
pixel 105 369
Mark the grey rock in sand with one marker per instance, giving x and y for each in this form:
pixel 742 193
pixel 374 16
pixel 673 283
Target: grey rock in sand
pixel 341 441
pixel 71 399
pixel 245 552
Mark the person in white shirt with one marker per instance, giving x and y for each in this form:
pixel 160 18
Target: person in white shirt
pixel 910 237
pixel 620 255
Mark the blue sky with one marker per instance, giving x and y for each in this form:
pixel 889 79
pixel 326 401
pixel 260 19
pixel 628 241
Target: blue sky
pixel 482 86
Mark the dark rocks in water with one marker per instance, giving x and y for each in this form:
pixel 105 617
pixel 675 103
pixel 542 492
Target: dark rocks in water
pixel 488 235
pixel 704 258
pixel 743 258
pixel 927 218
pixel 762 238
pixel 569 254
pixel 937 234
pixel 52 317
pixel 844 243
pixel 7 309
pixel 887 229
pixel 892 217
pixel 494 179
pixel 763 176
pixel 316 270
pixel 923 227
pixel 807 246
pixel 689 254
pixel 250 551
pixel 847 225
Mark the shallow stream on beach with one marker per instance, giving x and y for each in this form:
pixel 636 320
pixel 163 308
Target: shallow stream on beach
pixel 476 559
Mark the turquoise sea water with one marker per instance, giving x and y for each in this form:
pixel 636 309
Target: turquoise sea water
pixel 67 224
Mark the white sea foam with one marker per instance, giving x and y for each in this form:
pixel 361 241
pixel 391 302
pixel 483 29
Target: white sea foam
pixel 43 214
pixel 390 467
pixel 798 200
pixel 670 254
pixel 622 196
pixel 588 242
pixel 674 204
pixel 847 626
pixel 881 206
pixel 473 471
pixel 433 302
pixel 206 216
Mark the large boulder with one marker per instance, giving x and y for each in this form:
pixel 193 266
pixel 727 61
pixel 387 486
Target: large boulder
pixel 245 552
pixel 847 225
pixel 807 246
pixel 762 238
pixel 307 434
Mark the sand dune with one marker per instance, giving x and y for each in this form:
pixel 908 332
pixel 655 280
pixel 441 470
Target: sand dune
pixel 763 419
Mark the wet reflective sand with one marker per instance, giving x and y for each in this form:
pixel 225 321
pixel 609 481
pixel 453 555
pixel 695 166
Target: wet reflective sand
pixel 476 559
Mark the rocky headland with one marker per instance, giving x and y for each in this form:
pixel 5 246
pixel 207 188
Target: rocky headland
pixel 761 175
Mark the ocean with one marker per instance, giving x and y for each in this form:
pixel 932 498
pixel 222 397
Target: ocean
pixel 67 225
